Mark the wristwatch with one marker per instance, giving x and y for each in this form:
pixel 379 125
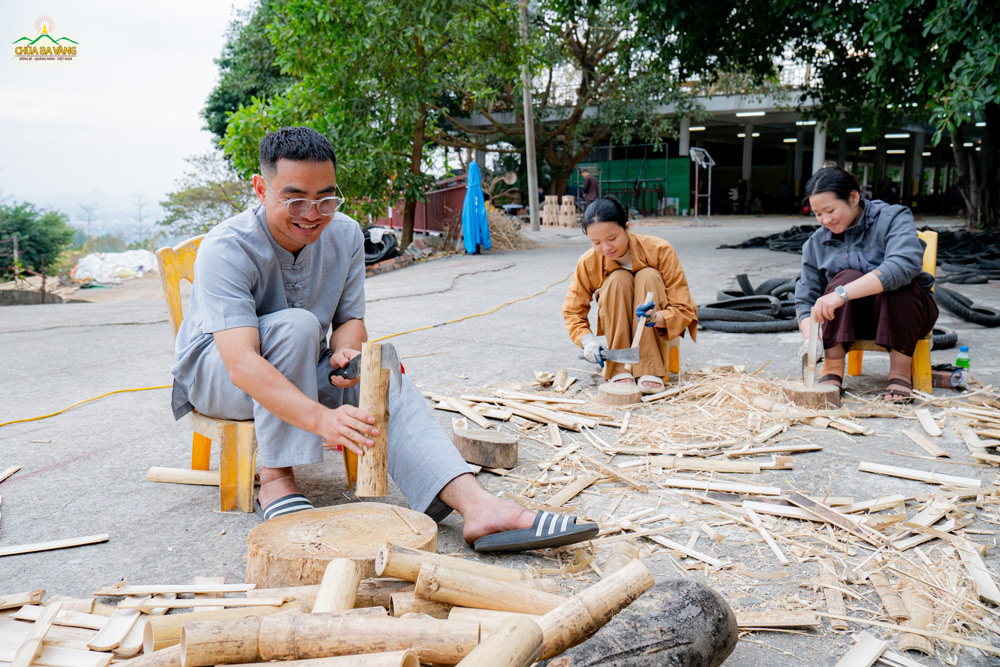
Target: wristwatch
pixel 842 293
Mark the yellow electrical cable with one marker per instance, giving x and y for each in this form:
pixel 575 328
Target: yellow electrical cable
pixel 116 391
pixel 401 333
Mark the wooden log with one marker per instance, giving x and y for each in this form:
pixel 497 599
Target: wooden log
pixel 407 602
pixel 183 476
pixel 919 475
pixel 339 587
pixel 115 630
pixel 396 560
pixel 15 600
pixel 618 393
pixel 818 397
pixel 920 607
pixel 864 653
pixel 444 584
pixel 518 642
pixel 32 646
pixel 53 544
pixel 404 658
pixel 294 549
pixel 165 631
pixel 583 614
pixel 489 619
pixel 621 555
pixel 322 635
pixel 490 449
pixel 373 467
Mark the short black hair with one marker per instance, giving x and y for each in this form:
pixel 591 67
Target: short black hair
pixel 300 144
pixel 605 209
pixel 832 179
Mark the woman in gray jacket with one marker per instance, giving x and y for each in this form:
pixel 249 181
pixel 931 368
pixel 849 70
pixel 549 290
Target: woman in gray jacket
pixel 863 279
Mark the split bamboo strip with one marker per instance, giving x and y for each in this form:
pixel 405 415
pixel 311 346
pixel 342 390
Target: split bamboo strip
pixel 876 505
pixel 518 642
pixel 986 587
pixel 864 653
pixel 787 511
pixel 573 489
pixel 393 560
pixel 32 646
pixel 918 475
pixel 608 470
pixel 755 520
pixel 777 618
pixel 404 658
pixel 53 544
pixel 8 472
pixel 701 465
pixel 893 604
pixel 131 644
pixel 115 630
pixel 58 656
pixel 521 396
pixel 676 546
pixel 145 605
pixel 921 607
pixel 830 516
pixel 183 476
pixel 174 588
pixel 831 590
pixel 443 584
pixel 944 636
pixel 208 580
pixel 339 587
pixel 14 600
pixel 924 443
pixel 407 602
pixel 731 487
pixel 583 614
pixel 927 422
pixel 774 449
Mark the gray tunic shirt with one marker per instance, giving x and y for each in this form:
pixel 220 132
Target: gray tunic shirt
pixel 242 274
pixel 883 240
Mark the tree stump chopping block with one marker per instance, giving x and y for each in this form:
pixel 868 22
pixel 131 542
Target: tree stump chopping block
pixel 618 393
pixel 817 397
pixel 295 549
pixel 676 622
pixel 487 448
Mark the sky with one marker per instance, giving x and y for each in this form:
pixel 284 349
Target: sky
pixel 120 118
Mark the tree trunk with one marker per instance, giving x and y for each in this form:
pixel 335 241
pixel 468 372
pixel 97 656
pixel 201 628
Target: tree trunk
pixel 416 159
pixel 990 170
pixel 968 178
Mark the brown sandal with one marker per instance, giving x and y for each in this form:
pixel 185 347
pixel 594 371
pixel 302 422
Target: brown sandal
pixel 906 391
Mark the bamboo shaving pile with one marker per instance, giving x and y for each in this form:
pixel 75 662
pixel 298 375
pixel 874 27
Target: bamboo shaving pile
pixel 505 232
pixel 672 475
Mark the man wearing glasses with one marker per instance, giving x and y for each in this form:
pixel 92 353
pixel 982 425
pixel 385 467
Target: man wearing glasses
pixel 271 282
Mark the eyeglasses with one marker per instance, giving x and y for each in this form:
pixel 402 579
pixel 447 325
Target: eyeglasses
pixel 298 208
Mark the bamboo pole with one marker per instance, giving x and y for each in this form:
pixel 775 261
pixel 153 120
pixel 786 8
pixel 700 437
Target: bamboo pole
pixel 405 658
pixel 218 642
pixel 183 476
pixel 373 467
pixel 584 613
pixel 489 619
pixel 407 602
pixel 339 587
pixel 393 560
pixel 621 555
pixel 164 631
pixel 372 592
pixel 518 642
pixel 168 657
pixel 443 584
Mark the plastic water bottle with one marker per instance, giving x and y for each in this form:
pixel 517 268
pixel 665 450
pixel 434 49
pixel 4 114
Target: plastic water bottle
pixel 963 360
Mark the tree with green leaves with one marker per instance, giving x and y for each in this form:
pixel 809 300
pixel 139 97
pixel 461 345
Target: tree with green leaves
pixel 41 237
pixel 207 194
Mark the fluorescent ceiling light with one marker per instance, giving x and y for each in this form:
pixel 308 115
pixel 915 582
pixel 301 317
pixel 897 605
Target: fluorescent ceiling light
pixel 926 153
pixel 967 144
pixel 747 114
pixel 897 151
pixel 981 123
pixel 790 140
pixel 898 135
pixel 866 148
pixel 853 129
pixel 697 128
pixel 805 122
pixel 743 135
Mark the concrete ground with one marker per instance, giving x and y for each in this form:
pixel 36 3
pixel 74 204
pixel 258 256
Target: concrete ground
pixel 82 472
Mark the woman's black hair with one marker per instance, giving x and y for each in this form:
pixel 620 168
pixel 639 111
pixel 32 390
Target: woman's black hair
pixel 831 179
pixel 605 209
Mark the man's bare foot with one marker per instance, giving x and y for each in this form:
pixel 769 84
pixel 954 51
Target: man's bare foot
pixel 482 512
pixel 276 483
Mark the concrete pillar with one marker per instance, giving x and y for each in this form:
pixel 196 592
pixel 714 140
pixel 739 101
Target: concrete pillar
pixel 747 150
pixel 918 164
pixel 685 136
pixel 799 158
pixel 842 151
pixel 819 146
pixel 878 177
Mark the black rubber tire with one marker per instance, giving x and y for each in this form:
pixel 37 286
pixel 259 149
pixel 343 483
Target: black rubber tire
pixel 774 326
pixel 768 286
pixel 387 249
pixel 961 298
pixel 943 338
pixel 787 287
pixel 745 284
pixel 726 294
pixel 729 315
pixel 987 317
pixel 762 303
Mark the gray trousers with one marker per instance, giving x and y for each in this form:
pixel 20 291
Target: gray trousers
pixel 422 460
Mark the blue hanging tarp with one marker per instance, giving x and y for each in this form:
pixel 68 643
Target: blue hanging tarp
pixel 475 224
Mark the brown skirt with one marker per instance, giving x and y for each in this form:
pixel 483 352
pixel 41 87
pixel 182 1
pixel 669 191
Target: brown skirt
pixel 895 320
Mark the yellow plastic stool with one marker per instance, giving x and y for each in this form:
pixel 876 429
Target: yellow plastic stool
pixel 920 367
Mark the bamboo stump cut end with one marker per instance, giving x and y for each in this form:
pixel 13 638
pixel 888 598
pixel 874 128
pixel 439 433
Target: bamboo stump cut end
pixel 487 448
pixel 818 397
pixel 295 549
pixel 618 393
